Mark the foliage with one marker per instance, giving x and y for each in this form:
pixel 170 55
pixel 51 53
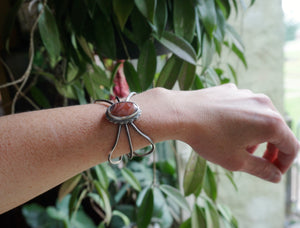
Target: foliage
pixel 81 45
pixel 194 32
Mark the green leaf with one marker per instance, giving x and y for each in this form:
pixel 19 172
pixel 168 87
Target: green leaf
pixel 122 9
pixel 101 225
pixel 101 76
pixel 178 46
pixel 68 186
pixel 73 200
pixel 166 167
pixel 186 224
pixel 161 212
pixel 198 217
pixel 194 174
pixel 252 2
pixel 210 185
pixel 221 28
pixel 141 29
pixel 212 215
pixel 79 201
pixel 184 16
pixel 82 220
pixel 121 193
pixel 80 95
pixel 104 36
pixel 232 73
pixel 147 8
pixel 128 209
pixel 57 215
pixel 93 90
pixel 131 179
pixel 124 218
pixel 175 195
pixel 213 76
pixel 224 5
pixel 132 77
pixel 101 175
pixel 207 14
pixel 198 83
pixel 96 198
pixel 186 76
pixel 85 47
pixel 106 7
pixel 94 80
pixel 227 216
pixel 49 34
pixel 39 97
pixel 240 55
pixel 229 175
pixel 199 36
pixel 161 16
pixel 235 6
pixel 208 51
pixel 145 210
pixel 36 216
pixel 169 73
pixel 109 171
pixel 105 197
pixel 146 67
pixel 234 37
pixel 115 71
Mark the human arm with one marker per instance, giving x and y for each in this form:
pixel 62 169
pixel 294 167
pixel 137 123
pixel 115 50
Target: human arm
pixel 41 149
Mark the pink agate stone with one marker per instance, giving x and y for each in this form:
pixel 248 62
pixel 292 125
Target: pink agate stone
pixel 123 109
pixel 123 112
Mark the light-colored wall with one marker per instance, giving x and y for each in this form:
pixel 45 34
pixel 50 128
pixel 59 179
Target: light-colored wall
pixel 257 203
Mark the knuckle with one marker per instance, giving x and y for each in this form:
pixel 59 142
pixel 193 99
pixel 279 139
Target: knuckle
pixel 263 99
pixel 248 91
pixel 272 121
pixel 231 85
pixel 159 90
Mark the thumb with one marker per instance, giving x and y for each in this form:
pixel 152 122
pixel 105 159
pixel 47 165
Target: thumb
pixel 261 168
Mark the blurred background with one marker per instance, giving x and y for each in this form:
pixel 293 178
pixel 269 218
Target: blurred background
pixel 271 33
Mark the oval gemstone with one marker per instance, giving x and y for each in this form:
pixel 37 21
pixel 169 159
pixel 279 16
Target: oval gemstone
pixel 123 109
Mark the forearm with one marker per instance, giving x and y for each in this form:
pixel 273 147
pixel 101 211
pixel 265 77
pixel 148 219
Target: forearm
pixel 41 149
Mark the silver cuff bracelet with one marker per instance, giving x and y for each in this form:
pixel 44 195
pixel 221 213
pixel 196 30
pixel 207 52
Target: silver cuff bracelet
pixel 125 113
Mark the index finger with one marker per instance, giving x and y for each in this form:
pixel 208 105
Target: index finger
pixel 287 144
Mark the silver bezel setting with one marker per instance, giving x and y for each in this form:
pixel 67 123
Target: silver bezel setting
pixel 123 119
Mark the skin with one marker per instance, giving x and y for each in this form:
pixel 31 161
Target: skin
pixel 41 149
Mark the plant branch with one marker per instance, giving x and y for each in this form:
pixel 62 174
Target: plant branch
pixel 96 209
pixel 26 75
pixel 16 86
pixel 154 168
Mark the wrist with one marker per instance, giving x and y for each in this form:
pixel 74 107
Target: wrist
pixel 160 115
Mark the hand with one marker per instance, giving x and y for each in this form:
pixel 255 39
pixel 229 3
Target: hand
pixel 225 125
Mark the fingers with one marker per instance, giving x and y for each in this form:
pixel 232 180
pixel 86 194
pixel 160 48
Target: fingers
pixel 252 149
pixel 283 148
pixel 261 168
pixel 273 163
pixel 271 153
